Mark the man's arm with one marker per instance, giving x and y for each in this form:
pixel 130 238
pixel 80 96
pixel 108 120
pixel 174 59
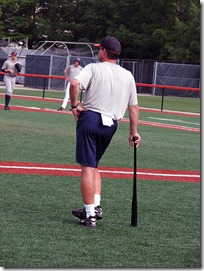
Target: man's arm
pixel 133 117
pixel 74 92
pixel 5 68
pixel 66 71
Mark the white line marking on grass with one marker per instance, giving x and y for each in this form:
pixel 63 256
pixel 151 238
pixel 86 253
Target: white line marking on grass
pixel 152 174
pixel 41 168
pixel 36 97
pixel 103 171
pixel 174 120
pixel 164 125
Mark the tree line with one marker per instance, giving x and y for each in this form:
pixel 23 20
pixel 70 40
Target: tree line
pixel 147 29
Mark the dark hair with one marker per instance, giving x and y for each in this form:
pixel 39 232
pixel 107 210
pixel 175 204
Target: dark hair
pixel 112 55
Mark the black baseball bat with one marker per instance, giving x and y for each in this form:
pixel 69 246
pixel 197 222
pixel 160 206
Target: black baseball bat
pixel 134 195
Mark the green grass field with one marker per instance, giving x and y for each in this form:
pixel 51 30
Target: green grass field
pixel 38 230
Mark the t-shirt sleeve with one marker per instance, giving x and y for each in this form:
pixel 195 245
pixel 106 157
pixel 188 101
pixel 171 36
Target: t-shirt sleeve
pixel 133 93
pixel 85 75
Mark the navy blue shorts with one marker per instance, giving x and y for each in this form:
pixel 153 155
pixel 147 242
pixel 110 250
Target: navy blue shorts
pixel 92 138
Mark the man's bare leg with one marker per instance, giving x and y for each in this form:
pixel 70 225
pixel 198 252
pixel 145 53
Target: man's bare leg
pixel 98 186
pixel 90 188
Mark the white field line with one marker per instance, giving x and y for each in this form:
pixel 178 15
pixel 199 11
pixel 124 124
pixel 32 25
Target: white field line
pixel 175 120
pixel 33 107
pixel 164 125
pixel 33 97
pixel 169 126
pixel 103 171
pixel 42 109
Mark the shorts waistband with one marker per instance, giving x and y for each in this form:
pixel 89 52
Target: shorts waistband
pixel 97 113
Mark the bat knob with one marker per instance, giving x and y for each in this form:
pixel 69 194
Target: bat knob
pixel 134 138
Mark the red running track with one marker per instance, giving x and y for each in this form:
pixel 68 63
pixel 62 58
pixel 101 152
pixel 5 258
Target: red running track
pixel 106 172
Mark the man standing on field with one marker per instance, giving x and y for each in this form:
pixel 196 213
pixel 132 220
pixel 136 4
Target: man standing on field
pixel 109 89
pixel 69 74
pixel 9 77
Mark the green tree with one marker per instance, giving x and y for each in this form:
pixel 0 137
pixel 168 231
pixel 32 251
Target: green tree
pixel 184 44
pixel 181 40
pixel 147 29
pixel 15 19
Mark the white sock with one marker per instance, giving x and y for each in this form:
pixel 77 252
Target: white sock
pixel 89 210
pixel 97 200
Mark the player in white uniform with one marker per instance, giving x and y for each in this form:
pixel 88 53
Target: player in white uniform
pixel 109 90
pixel 69 74
pixel 9 77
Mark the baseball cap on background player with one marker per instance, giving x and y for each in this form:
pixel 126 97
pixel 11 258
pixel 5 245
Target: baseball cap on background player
pixel 13 54
pixel 110 43
pixel 77 59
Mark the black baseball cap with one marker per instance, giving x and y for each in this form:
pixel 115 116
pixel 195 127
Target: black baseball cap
pixel 110 43
pixel 13 54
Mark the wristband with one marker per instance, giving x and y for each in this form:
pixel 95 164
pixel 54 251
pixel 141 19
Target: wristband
pixel 75 106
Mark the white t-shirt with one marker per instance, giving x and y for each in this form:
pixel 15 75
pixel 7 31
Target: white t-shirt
pixel 72 71
pixel 109 89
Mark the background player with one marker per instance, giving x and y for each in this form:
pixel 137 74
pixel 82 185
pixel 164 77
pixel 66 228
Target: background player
pixel 69 74
pixel 9 77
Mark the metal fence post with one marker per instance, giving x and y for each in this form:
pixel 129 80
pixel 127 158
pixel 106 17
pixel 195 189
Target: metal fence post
pixel 162 103
pixel 44 87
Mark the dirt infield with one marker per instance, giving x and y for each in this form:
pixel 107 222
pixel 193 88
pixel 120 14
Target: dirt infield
pixel 106 172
